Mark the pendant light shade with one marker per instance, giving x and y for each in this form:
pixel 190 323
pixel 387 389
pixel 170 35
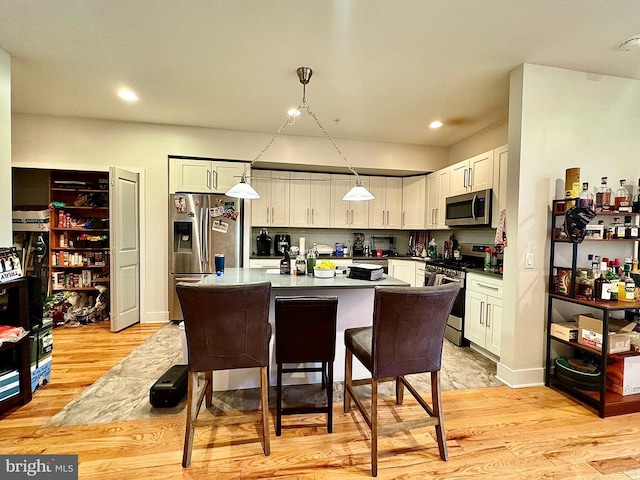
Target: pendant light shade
pixel 357 194
pixel 244 190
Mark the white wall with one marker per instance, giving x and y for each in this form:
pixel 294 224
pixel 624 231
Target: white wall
pixel 558 119
pixel 6 239
pixel 73 143
pixel 483 141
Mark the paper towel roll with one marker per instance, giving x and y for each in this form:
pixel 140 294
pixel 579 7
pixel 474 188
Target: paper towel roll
pixel 303 250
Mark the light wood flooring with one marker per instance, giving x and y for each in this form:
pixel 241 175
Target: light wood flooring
pixel 492 433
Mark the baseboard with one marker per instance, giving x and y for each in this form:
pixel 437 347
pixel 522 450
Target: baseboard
pixel 155 317
pixel 530 377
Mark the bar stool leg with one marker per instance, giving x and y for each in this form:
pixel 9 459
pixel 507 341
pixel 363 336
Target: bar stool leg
pixel 348 360
pixel 330 399
pixel 279 402
pixel 374 427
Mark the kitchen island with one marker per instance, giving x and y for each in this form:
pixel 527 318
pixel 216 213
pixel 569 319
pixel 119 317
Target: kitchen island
pixel 355 309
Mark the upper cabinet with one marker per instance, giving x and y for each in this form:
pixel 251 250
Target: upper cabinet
pixel 347 214
pixel 472 175
pixel 414 202
pixel 437 192
pixel 203 176
pixel 272 208
pixel 499 196
pixel 310 195
pixel 385 211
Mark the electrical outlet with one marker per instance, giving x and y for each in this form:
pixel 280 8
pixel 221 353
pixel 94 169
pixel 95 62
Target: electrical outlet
pixel 528 260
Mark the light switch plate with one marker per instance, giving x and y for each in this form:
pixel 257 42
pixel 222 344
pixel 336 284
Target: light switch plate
pixel 528 260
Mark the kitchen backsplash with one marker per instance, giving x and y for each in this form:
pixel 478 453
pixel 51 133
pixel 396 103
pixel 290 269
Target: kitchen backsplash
pixel 331 236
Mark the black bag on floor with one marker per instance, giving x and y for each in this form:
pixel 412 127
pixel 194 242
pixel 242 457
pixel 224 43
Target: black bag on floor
pixel 170 388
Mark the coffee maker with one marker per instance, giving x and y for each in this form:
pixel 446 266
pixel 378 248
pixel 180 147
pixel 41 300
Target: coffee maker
pixel 358 244
pixel 281 244
pixel 263 242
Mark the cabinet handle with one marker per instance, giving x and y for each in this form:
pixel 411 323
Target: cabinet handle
pixel 403 218
pixel 488 314
pixel 436 217
pixel 268 214
pixel 313 220
pixel 273 214
pixel 382 217
pixel 481 313
pixel 470 177
pixel 351 217
pixel 464 184
pixel 307 215
pixel 387 217
pixel 484 285
pixel 208 179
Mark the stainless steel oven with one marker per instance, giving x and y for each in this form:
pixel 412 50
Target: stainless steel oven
pixel 440 274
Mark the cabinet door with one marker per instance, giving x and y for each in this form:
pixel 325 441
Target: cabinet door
pixel 320 200
pixel 459 178
pixel 261 207
pixel 499 197
pixel 377 206
pixel 359 211
pixel 433 199
pixel 192 175
pixel 300 205
pixel 403 270
pixel 226 175
pixel 280 199
pixel 443 193
pixel 474 317
pixel 494 324
pixel 339 215
pixel 481 171
pixel 393 203
pixel 414 200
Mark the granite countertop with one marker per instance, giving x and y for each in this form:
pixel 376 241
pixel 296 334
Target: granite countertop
pixel 486 273
pixel 251 275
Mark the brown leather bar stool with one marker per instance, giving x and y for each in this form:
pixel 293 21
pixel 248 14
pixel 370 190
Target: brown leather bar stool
pixel 406 338
pixel 227 327
pixel 306 333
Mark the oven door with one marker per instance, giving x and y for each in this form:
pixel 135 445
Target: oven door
pixel 455 325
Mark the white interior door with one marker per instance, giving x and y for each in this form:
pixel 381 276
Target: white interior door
pixel 124 206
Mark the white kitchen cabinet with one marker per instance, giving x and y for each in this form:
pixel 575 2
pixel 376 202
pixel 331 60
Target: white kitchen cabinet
pixel 203 176
pixel 264 263
pixel 483 312
pixel 385 210
pixel 272 208
pixel 472 175
pixel 420 273
pixel 347 214
pixel 414 202
pixel 499 194
pixel 404 270
pixel 310 195
pixel 437 192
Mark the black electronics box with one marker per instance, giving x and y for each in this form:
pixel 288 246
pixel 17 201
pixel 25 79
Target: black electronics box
pixel 361 271
pixel 170 388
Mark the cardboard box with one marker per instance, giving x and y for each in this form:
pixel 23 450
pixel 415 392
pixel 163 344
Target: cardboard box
pixel 41 373
pixel 623 373
pixel 567 331
pixel 31 221
pixel 590 333
pixel 9 384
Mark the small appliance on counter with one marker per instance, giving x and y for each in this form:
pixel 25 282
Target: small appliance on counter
pixel 281 244
pixel 263 244
pixel 358 244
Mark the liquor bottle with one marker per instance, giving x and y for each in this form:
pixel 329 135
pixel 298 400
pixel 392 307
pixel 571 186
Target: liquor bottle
pixel 619 230
pixel 626 286
pixel 583 287
pixel 285 264
pixel 613 279
pixel 602 286
pixel 603 197
pixel 612 230
pixel 631 231
pixel 586 197
pixel 622 198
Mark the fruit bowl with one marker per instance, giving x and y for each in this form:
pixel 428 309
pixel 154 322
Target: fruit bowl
pixel 323 272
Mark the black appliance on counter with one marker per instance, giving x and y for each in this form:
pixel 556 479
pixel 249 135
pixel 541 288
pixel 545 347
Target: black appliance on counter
pixel 455 271
pixel 281 244
pixel 358 244
pixel 263 244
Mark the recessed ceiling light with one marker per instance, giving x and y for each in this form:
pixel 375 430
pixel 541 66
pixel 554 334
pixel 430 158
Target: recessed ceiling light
pixel 436 124
pixel 631 44
pixel 128 95
pixel 293 112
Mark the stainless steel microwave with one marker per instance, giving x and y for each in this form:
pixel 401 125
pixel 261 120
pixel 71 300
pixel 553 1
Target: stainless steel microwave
pixel 469 209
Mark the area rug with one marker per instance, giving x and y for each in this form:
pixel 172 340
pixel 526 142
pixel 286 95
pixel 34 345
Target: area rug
pixel 123 392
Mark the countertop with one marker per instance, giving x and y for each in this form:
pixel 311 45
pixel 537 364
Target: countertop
pixel 333 257
pixel 481 271
pixel 250 275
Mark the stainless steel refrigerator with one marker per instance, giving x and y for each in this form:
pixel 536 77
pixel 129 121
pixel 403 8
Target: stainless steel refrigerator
pixel 201 226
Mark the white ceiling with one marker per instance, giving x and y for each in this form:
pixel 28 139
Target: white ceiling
pixel 384 68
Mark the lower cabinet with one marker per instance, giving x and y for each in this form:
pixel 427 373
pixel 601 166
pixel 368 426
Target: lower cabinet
pixel 483 312
pixel 404 270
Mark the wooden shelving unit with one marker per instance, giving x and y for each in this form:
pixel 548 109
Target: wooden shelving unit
pixel 606 402
pixel 17 355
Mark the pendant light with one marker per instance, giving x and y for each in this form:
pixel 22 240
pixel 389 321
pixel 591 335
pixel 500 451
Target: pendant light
pixel 244 190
